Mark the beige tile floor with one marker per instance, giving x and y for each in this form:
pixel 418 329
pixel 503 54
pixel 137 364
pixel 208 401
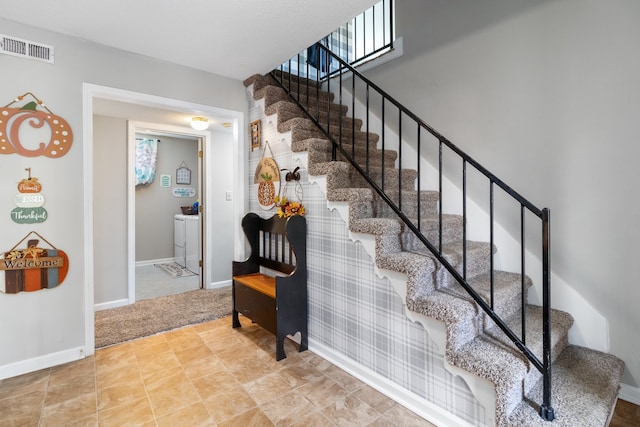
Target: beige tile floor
pixel 201 375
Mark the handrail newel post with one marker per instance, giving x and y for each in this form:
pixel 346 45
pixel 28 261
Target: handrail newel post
pixel 546 411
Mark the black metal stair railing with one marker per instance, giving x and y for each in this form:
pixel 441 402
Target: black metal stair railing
pixel 312 96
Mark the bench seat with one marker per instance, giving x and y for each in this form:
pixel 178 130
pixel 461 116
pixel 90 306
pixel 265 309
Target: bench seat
pixel 260 282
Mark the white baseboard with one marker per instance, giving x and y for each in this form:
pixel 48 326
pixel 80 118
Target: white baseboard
pixel 221 284
pixel 630 394
pixel 427 410
pixel 111 304
pixel 154 261
pixel 41 362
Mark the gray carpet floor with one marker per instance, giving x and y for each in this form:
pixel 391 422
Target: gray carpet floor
pixel 152 316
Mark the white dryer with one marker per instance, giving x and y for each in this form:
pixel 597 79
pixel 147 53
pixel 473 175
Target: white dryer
pixel 186 241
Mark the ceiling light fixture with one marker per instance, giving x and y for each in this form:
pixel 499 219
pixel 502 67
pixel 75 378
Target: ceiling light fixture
pixel 199 123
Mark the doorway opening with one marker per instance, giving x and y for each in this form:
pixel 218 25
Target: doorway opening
pixel 115 270
pixel 169 226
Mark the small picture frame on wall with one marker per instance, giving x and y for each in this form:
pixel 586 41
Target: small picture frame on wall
pixel 254 132
pixel 183 174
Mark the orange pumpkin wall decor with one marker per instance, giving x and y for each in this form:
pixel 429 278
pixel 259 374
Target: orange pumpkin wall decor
pixel 35 115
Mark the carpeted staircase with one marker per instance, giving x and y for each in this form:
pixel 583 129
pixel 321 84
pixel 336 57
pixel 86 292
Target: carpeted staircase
pixel 585 382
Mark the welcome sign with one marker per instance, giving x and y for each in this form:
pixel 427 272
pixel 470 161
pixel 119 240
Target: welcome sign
pixel 32 268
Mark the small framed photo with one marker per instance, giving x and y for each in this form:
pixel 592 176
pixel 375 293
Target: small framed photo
pixel 254 132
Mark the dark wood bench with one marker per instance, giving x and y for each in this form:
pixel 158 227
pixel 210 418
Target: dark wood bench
pixel 270 287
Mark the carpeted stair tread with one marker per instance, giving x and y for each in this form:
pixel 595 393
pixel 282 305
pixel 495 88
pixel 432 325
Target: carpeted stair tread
pixel 324 104
pixel 406 262
pixel 271 95
pixel 336 117
pixel 371 155
pixel 259 81
pixel 389 179
pixel 360 138
pixel 296 123
pixel 409 203
pixel 350 194
pixel 561 322
pixel 319 144
pixel 459 315
pixel 505 369
pixel 288 77
pixel 430 228
pixel 507 292
pixel 584 389
pixel 477 261
pixel 375 226
pixel 284 110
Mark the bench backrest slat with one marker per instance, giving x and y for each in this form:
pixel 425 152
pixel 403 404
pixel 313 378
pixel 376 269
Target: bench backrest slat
pixel 271 247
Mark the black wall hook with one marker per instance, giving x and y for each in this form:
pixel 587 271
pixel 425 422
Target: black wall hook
pixel 293 175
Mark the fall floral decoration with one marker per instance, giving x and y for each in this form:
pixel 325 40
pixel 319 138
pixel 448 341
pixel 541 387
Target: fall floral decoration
pixel 287 208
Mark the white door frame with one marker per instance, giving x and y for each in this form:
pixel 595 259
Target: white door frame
pixel 91 92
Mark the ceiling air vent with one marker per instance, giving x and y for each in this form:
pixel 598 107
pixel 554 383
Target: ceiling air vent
pixel 26 49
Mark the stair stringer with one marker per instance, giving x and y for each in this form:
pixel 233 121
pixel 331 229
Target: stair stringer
pixel 482 389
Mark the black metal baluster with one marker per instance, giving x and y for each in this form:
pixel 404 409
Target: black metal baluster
pixel 523 299
pixel 440 197
pixel 464 219
pixel 383 137
pixel 491 219
pixel 353 114
pixel 367 128
pixel 418 168
pixel 298 79
pixel 391 22
pixel 340 106
pixel 399 159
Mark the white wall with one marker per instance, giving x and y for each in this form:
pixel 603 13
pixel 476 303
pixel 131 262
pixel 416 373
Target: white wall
pixel 110 214
pixel 219 207
pixel 48 327
pixel 546 95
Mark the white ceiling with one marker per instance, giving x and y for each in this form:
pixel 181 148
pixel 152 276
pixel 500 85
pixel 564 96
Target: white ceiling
pixel 232 38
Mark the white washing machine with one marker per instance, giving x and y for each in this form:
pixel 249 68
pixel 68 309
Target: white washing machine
pixel 186 241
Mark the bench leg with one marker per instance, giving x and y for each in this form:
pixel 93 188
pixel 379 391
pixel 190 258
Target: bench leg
pixel 280 354
pixel 234 319
pixel 304 345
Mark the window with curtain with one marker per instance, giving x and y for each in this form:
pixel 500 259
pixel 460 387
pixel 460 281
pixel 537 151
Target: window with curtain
pixel 146 160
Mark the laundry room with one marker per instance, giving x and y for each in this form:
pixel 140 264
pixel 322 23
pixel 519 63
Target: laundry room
pixel 167 224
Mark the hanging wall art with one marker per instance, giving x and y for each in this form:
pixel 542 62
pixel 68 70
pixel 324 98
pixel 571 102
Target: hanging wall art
pixel 23 128
pixel 267 176
pixel 29 202
pixel 32 268
pixel 183 174
pixel 254 131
